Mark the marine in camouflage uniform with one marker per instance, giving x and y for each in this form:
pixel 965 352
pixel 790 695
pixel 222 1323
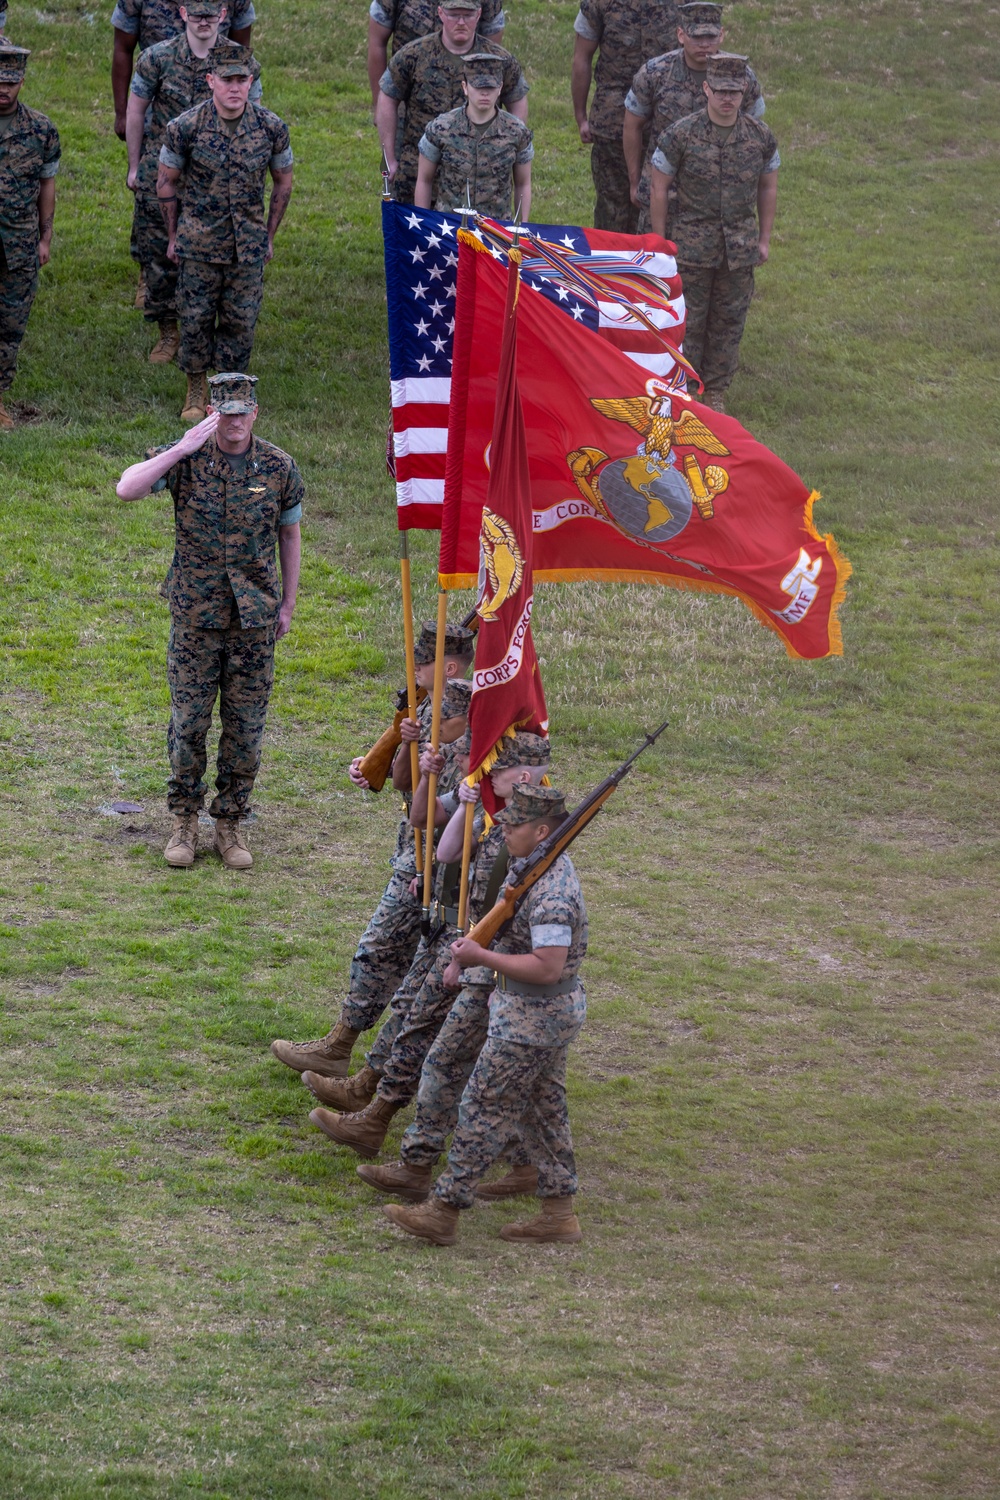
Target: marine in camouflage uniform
pixel 667 88
pixel 624 34
pixel 427 78
pixel 422 1003
pixel 519 1080
pixel 227 605
pixel 169 79
pixel 407 20
pixel 457 149
pixel 718 173
pixel 389 943
pixel 222 241
pixel 143 23
pixel 29 159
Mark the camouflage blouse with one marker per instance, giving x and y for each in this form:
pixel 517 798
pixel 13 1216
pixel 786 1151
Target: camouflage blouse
pixel 552 915
pixel 172 80
pixel 158 20
pixel 404 860
pixel 222 213
pixel 664 90
pixel 483 159
pixel 29 152
pixel 716 182
pixel 629 33
pixel 408 20
pixel 226 528
pixel 427 78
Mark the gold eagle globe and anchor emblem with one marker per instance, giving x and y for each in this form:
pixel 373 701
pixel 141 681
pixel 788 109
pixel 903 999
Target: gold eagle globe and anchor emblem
pixel 648 497
pixel 501 565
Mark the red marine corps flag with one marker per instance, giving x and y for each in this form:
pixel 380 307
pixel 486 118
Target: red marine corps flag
pixel 506 683
pixel 630 479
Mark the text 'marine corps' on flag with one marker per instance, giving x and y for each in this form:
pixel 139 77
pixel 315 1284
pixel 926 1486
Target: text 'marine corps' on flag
pixel 421 265
pixel 631 480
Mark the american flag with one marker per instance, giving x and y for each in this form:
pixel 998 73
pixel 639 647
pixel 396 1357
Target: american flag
pixel 421 264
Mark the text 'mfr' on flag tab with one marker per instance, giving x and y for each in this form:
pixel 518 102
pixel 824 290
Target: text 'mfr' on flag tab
pixel 630 480
pixel 421 267
pixel 507 692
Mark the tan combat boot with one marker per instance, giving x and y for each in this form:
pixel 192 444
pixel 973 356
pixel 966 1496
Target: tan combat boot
pixel 6 420
pixel 431 1220
pixel 330 1056
pixel 348 1095
pixel 230 845
pixel 557 1224
pixel 164 351
pixel 363 1131
pixel 715 401
pixel 183 841
pixel 519 1182
pixel 196 399
pixel 412 1183
pixel 140 292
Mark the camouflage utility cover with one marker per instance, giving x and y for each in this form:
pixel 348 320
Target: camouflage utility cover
pixel 408 20
pixel 483 159
pixel 226 530
pixel 29 152
pixel 427 78
pixel 629 33
pixel 158 20
pixel 458 641
pixel 716 185
pixel 172 80
pixel 222 213
pixel 664 90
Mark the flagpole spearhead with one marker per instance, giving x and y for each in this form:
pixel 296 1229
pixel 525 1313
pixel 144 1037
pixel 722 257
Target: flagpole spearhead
pixel 386 195
pixel 467 210
pixel 517 227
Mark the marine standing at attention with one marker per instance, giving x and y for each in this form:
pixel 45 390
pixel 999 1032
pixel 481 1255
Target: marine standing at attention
pixel 624 34
pixel 143 23
pixel 408 20
pixel 224 148
pixel 724 165
pixel 169 78
pixel 29 160
pixel 669 87
pixel 477 145
pixel 425 79
pixel 235 498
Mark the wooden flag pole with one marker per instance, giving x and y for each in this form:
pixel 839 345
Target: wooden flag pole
pixel 442 626
pixel 463 888
pixel 411 681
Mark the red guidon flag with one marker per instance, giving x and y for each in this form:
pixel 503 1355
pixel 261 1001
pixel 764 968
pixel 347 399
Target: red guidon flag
pixel 506 683
pixel 630 479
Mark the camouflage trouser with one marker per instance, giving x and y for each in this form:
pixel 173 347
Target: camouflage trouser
pixel 512 1084
pixel 419 1009
pixel 614 208
pixel 151 243
pixel 217 307
pixel 237 666
pixel 384 954
pixel 717 301
pixel 17 293
pixel 446 1071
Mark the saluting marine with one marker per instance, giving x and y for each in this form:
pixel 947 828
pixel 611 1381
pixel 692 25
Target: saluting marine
pixel 29 161
pixel 236 498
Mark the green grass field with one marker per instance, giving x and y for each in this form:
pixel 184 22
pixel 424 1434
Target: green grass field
pixel 785 1098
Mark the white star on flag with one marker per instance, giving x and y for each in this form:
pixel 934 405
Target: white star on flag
pixel 439 345
pixel 567 240
pixel 420 290
pixel 433 240
pixel 423 327
pixel 437 308
pixel 562 293
pixel 577 311
pixel 423 363
pixel 414 222
pixel 418 254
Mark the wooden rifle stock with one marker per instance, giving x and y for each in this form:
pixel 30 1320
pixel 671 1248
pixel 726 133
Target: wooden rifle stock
pixel 490 926
pixel 377 763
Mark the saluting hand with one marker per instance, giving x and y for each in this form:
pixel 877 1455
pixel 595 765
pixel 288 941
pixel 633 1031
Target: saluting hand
pixel 197 436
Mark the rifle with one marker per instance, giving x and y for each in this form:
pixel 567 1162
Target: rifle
pixel 497 920
pixel 377 763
